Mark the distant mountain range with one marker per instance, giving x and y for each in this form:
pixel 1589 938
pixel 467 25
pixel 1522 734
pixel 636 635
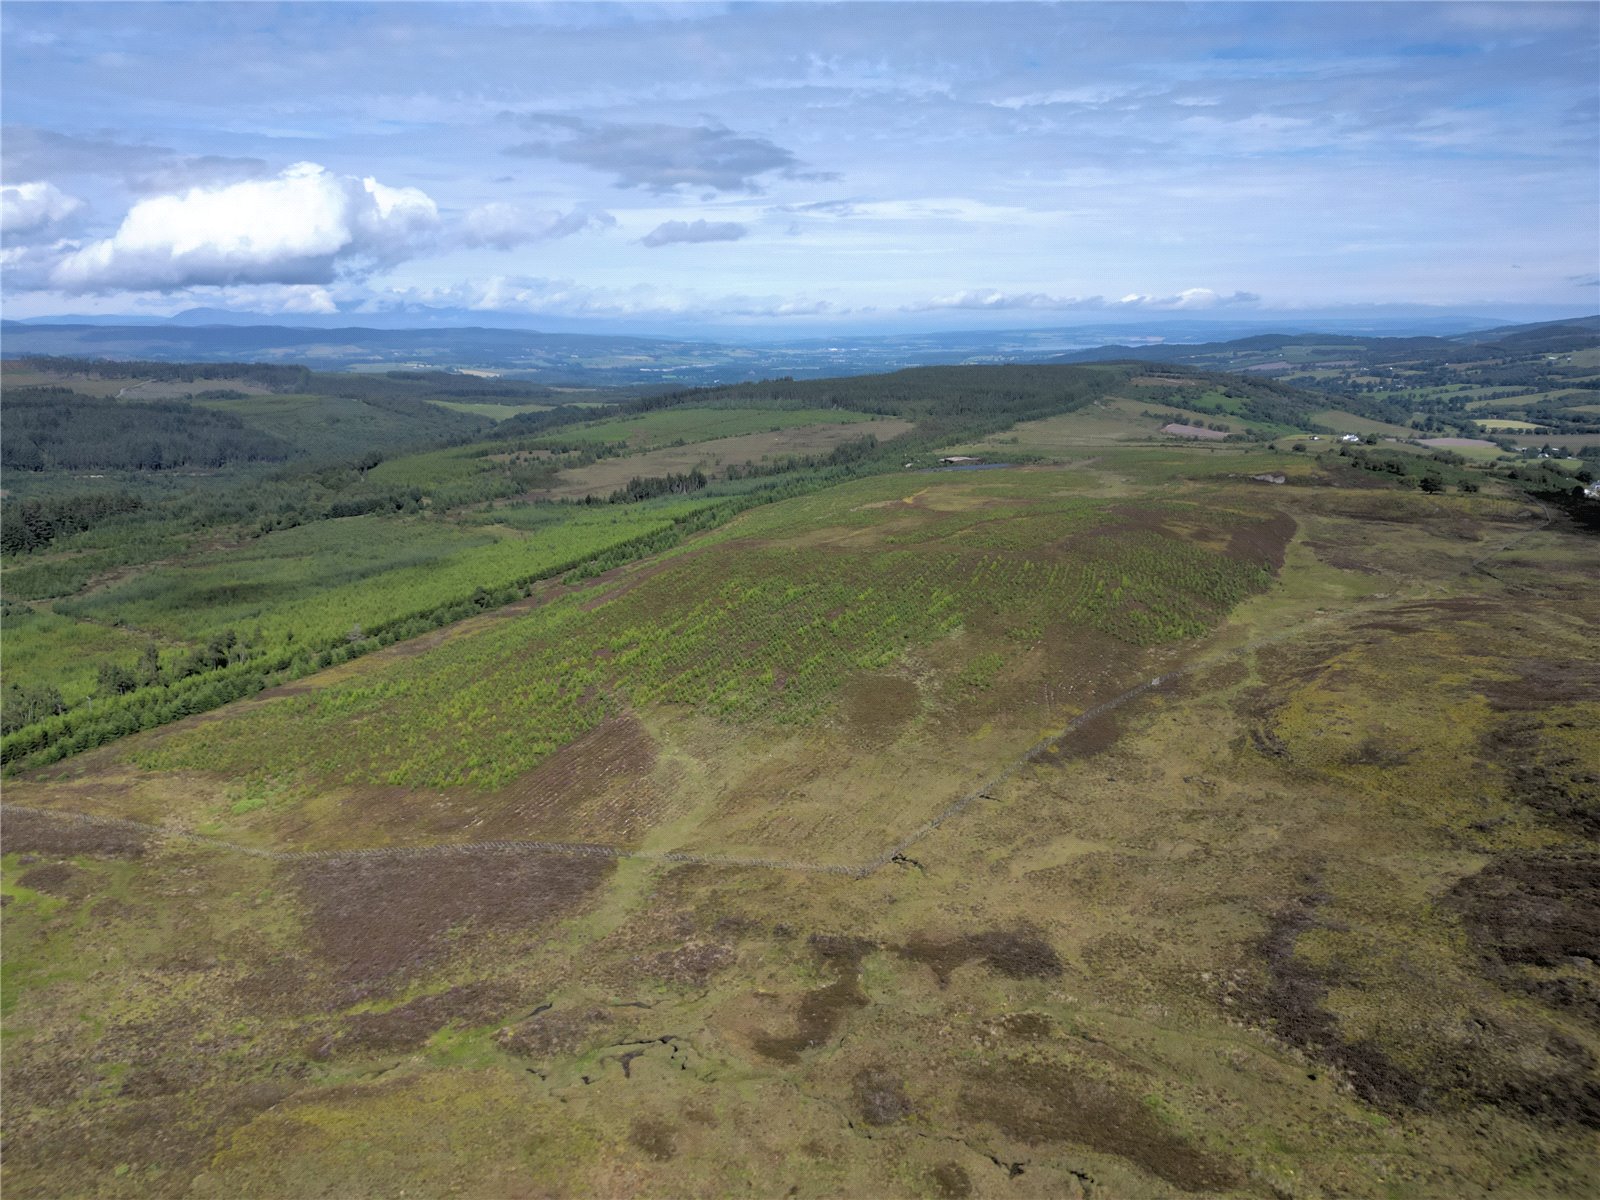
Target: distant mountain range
pixel 329 342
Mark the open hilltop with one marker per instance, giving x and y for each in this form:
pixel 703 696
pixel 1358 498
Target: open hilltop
pixel 968 781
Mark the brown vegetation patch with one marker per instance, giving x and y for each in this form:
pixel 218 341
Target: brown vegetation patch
pixel 821 1010
pixel 1193 431
pixel 547 1035
pixel 1542 682
pixel 617 753
pixel 1343 558
pixel 374 919
pixel 1015 953
pixel 1263 542
pixel 878 707
pixel 54 879
pixel 693 963
pixel 1043 1102
pixel 880 1096
pixel 411 1024
pixel 1535 921
pixel 1027 1026
pixel 1554 784
pixel 1085 739
pixel 658 1139
pixel 951 1181
pixel 64 835
pixel 1293 1004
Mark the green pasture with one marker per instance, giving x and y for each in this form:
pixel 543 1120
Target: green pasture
pixel 1346 422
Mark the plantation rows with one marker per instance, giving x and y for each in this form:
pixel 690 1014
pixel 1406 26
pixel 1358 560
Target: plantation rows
pixel 279 619
pixel 751 634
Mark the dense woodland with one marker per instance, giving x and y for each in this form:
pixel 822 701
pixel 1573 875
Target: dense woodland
pixel 55 429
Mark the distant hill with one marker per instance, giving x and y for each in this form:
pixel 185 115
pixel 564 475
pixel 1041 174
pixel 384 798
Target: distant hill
pixel 1546 337
pixel 590 358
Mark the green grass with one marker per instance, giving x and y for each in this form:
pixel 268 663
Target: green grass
pixel 44 647
pixel 1344 422
pixel 494 412
pixel 313 583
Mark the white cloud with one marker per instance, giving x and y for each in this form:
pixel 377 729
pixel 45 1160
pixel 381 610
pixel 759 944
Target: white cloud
pixel 1189 298
pixel 505 226
pixel 278 299
pixel 25 207
pixel 669 232
pixel 1092 96
pixel 305 226
pixel 991 299
pixel 568 298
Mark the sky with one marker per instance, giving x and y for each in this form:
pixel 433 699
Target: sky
pixel 801 167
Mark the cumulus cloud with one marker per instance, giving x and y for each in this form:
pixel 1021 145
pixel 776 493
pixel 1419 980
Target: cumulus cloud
pixel 669 232
pixel 305 226
pixel 273 299
pixel 991 299
pixel 505 226
pixel 660 158
pixel 28 207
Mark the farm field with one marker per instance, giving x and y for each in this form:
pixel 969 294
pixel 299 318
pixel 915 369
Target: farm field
pixel 1344 422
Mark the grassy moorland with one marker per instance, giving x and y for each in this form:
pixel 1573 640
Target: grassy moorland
pixel 1118 824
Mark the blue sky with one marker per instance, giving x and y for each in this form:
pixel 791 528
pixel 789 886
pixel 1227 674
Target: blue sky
pixel 798 167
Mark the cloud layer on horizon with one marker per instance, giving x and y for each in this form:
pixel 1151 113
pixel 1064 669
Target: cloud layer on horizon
pixel 1014 163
